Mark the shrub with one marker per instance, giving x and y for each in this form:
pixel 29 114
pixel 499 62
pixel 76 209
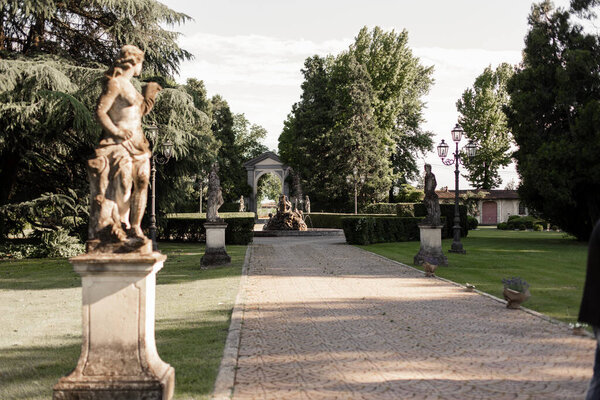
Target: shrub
pixel 472 222
pixel 60 244
pixel 190 227
pixel 229 207
pixel 538 228
pixel 514 222
pixel 522 227
pixel 554 228
pixel 511 217
pixel 367 230
pixel 407 209
pixel 502 226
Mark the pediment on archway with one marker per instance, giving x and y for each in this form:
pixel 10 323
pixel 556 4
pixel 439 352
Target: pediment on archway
pixel 267 159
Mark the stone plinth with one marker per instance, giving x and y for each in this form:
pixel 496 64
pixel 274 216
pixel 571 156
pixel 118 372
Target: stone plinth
pixel 431 246
pixel 118 354
pixel 215 252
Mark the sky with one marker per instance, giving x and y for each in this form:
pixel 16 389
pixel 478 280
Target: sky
pixel 252 51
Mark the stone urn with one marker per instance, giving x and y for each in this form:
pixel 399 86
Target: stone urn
pixel 515 298
pixel 429 268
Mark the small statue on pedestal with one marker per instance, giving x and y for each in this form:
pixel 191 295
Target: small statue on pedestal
pixel 307 204
pixel 242 204
pixel 120 171
pixel 431 200
pixel 215 195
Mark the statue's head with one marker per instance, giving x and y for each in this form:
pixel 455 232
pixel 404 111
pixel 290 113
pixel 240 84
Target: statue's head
pixel 427 168
pixel 130 56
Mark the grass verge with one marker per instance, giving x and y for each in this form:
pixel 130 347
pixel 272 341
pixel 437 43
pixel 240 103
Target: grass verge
pixel 40 320
pixel 552 263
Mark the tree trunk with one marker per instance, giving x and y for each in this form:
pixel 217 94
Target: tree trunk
pixel 35 37
pixel 8 175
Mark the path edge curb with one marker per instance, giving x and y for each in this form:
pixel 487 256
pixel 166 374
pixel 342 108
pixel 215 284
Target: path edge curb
pixel 227 369
pixel 490 296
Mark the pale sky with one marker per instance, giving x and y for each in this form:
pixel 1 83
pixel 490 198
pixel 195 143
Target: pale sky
pixel 251 52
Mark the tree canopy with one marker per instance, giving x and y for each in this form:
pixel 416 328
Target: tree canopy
pixel 554 113
pixel 483 120
pixel 360 109
pixel 93 30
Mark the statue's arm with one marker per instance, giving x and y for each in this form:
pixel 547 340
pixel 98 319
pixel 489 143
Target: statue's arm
pixel 105 102
pixel 149 91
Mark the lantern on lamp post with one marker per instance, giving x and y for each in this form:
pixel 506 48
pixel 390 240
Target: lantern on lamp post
pixel 161 158
pixel 470 150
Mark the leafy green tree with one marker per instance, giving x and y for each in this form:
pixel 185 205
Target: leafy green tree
pixel 362 109
pixel 93 30
pixel 248 138
pixel 554 113
pixel 484 121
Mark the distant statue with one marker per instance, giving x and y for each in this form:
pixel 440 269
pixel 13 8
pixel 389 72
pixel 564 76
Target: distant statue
pixel 119 172
pixel 242 204
pixel 431 199
pixel 295 203
pixel 215 195
pixel 284 205
pixel 306 204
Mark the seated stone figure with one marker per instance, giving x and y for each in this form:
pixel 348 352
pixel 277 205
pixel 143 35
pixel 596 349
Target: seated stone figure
pixel 119 172
pixel 431 200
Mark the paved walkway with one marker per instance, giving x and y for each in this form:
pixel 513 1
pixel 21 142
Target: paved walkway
pixel 324 320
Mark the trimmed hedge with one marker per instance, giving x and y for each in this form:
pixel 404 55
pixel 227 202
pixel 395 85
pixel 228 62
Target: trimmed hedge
pixel 447 211
pixel 189 227
pixel 367 230
pixel 333 220
pixel 515 222
pixel 380 208
pixel 473 223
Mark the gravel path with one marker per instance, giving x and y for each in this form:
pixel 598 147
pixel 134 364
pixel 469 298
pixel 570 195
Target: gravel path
pixel 325 320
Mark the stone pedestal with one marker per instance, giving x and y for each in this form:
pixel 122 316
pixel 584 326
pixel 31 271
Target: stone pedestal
pixel 118 354
pixel 215 253
pixel 431 246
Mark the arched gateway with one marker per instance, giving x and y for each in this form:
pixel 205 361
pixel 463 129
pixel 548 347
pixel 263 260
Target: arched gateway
pixel 266 163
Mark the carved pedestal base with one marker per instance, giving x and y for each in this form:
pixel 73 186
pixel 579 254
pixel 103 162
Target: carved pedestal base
pixel 118 354
pixel 431 246
pixel 215 253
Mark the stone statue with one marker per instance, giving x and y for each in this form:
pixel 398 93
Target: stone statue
pixel 242 204
pixel 120 170
pixel 307 204
pixel 215 195
pixel 431 199
pixel 284 205
pixel 286 218
pixel 295 203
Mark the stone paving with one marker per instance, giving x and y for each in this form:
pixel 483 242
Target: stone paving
pixel 325 320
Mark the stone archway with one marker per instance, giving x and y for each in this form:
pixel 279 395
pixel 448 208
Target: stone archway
pixel 267 162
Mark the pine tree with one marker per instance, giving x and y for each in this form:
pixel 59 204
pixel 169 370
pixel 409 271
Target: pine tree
pixel 93 30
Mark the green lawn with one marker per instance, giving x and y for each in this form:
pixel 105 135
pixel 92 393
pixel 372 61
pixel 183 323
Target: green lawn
pixel 553 264
pixel 40 321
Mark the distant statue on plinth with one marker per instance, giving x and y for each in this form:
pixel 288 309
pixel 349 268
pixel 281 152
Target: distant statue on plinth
pixel 120 171
pixel 306 204
pixel 430 230
pixel 242 204
pixel 215 195
pixel 431 200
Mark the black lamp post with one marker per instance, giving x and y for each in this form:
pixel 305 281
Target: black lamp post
pixel 167 152
pixel 355 178
pixel 442 149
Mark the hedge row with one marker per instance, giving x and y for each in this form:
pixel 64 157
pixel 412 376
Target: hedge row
pixel 190 228
pixel 367 230
pixel 332 220
pixel 380 208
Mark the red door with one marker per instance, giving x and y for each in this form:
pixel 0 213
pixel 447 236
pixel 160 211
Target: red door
pixel 489 213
